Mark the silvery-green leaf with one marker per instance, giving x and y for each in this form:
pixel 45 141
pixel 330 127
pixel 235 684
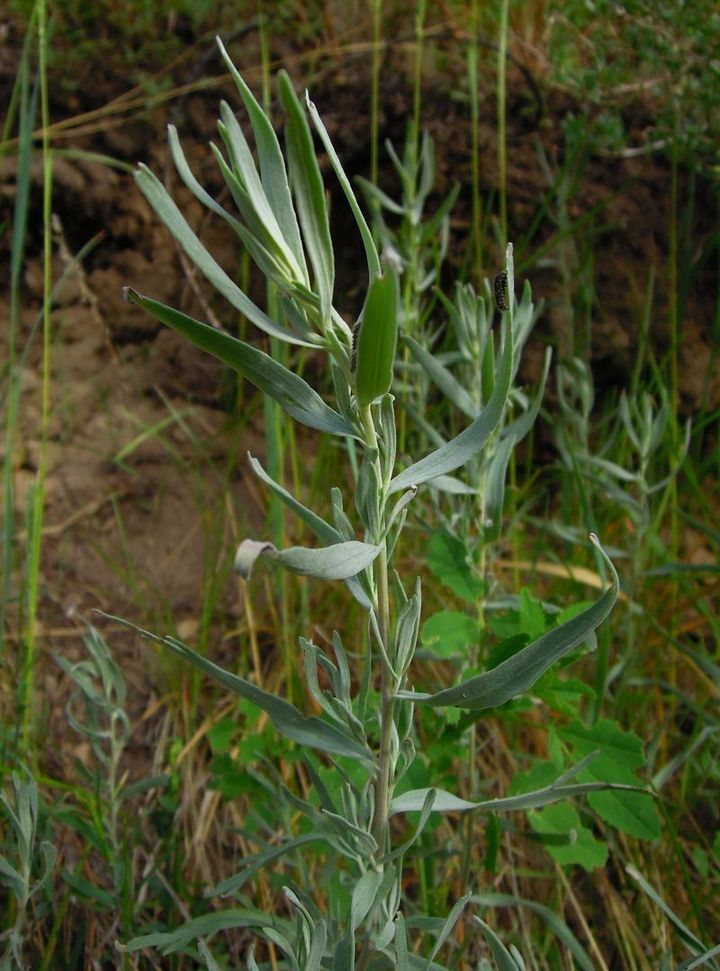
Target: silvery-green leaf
pixel 446 802
pixel 451 920
pixel 160 200
pixel 401 945
pixel 371 255
pixel 291 392
pixel 363 895
pixel 244 167
pixel 272 165
pixel 452 485
pixel 519 672
pixel 554 923
pixel 337 562
pixel 309 732
pixel 457 452
pixel 283 942
pixel 309 192
pixel 443 378
pixel 252 864
pixel 503 958
pixel 169 942
pixel 313 961
pixel 210 962
pixel 322 529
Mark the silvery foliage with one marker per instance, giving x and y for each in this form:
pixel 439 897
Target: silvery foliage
pixel 283 222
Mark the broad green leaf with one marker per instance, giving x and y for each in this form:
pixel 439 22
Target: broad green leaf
pixel 443 378
pixel 457 452
pixel 291 392
pixel 160 200
pixel 449 632
pixel 309 192
pixel 377 339
pixel 337 562
pixel 518 673
pixel 309 732
pixel 563 820
pixel 371 254
pixel 448 561
pixel 619 746
pixel 631 812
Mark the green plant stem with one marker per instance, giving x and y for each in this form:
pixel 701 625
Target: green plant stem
pixel 501 117
pixel 476 235
pixel 375 90
pixel 38 494
pixel 384 785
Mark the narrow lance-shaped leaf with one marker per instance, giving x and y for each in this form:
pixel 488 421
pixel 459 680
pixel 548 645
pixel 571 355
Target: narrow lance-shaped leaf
pixel 272 165
pixel 291 392
pixel 457 452
pixel 160 200
pixel 377 339
pixel 371 253
pixel 443 378
pixel 309 732
pixel 520 672
pixel 309 192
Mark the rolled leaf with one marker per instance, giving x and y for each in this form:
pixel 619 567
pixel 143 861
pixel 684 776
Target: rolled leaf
pixel 336 562
pixel 309 732
pixel 520 672
pixel 377 339
pixel 291 392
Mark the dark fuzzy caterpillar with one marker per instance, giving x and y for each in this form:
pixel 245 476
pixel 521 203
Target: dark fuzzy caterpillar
pixel 353 352
pixel 500 286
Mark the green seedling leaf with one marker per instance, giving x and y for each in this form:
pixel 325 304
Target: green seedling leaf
pixel 458 452
pixel 291 392
pixel 309 732
pixel 518 673
pixel 448 561
pixel 449 633
pixel 377 339
pixel 309 192
pixel 620 755
pixel 160 200
pixel 337 562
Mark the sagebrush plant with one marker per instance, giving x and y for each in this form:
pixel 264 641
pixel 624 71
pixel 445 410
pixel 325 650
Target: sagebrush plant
pixel 361 685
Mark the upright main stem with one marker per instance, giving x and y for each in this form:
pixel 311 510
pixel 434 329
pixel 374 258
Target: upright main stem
pixel 383 791
pixel 384 783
